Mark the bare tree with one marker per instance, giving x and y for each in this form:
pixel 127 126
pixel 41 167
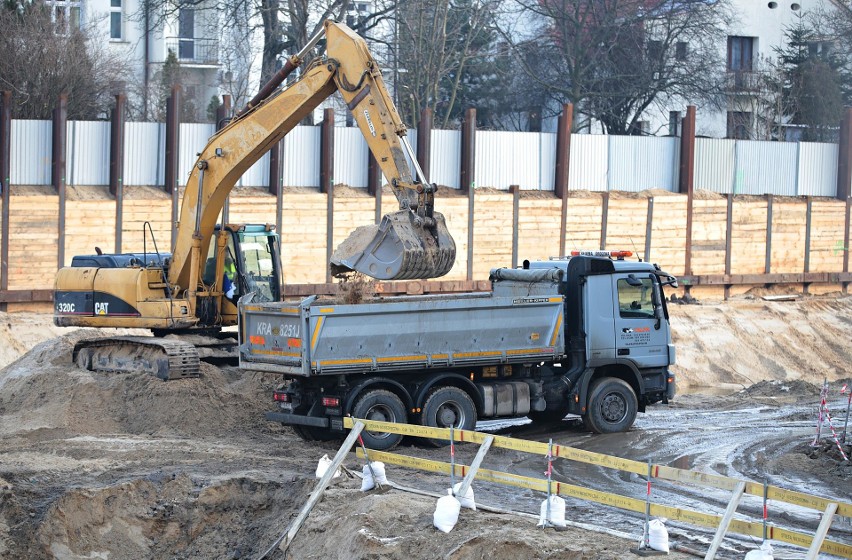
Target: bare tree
pixel 284 25
pixel 441 43
pixel 615 59
pixel 45 58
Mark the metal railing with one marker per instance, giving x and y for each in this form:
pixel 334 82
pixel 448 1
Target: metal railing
pixel 194 50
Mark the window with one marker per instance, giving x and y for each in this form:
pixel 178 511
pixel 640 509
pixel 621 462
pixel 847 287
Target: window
pixel 65 13
pixel 636 302
pixel 674 123
pixel 186 32
pixel 819 48
pixel 116 20
pixel 655 50
pixel 680 51
pixel 739 125
pixel 740 53
pixel 638 128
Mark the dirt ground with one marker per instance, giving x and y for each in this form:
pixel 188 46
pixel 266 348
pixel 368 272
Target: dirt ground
pixel 98 466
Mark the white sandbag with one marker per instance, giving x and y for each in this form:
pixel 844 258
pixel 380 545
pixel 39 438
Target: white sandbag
pixel 367 482
pixel 557 512
pixel 762 553
pixel 322 467
pixel 466 501
pixel 658 535
pixel 446 513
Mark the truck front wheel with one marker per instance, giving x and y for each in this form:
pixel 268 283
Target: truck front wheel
pixel 612 406
pixel 382 406
pixel 448 406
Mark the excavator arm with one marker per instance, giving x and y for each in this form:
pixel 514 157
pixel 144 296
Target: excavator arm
pixel 410 243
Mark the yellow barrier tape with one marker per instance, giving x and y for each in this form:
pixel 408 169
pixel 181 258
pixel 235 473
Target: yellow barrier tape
pixel 614 500
pixel 660 472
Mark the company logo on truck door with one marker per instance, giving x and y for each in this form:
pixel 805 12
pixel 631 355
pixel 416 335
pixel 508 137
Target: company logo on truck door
pixel 264 328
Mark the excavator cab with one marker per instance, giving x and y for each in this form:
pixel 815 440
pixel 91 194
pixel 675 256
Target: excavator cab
pixel 250 256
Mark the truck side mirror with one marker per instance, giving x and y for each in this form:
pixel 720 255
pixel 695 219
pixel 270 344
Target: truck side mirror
pixel 633 281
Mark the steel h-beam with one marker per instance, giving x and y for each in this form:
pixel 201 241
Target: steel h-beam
pixel 5 166
pixel 563 160
pixel 60 131
pixel 844 157
pixel 116 164
pixel 424 141
pixel 223 115
pixel 467 180
pixel 687 179
pixel 172 150
pixel 327 181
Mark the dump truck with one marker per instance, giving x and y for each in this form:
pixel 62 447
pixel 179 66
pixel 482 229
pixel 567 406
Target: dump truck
pixel 587 335
pixel 186 294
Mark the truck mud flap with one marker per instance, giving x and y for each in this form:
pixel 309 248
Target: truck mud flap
pixel 397 249
pixel 297 419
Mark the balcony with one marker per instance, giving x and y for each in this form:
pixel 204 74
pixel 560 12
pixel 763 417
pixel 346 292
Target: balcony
pixel 742 81
pixel 194 51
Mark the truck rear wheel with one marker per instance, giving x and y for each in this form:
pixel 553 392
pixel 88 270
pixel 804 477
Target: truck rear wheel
pixel 448 406
pixel 382 406
pixel 612 406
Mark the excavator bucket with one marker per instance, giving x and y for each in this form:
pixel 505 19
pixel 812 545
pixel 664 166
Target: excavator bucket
pixel 397 249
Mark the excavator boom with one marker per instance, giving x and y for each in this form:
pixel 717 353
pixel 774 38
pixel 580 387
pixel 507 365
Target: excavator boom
pixel 411 243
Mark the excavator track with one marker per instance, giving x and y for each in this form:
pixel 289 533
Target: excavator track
pixel 166 359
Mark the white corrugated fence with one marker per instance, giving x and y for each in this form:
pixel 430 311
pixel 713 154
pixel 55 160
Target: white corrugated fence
pixel 527 159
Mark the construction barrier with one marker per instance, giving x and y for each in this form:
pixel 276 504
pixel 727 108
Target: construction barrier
pixel 661 472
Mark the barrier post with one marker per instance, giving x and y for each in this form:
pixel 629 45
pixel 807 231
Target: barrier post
pixel 765 508
pixel 646 532
pixel 549 473
pixel 452 459
pixel 818 436
pixel 847 390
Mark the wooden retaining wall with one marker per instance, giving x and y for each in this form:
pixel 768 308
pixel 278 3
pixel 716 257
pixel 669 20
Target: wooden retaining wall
pixel 768 235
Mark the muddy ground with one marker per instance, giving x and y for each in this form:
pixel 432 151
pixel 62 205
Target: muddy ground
pixel 96 466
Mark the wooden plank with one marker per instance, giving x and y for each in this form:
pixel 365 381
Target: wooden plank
pixel 474 466
pixel 726 521
pixel 284 541
pixel 822 531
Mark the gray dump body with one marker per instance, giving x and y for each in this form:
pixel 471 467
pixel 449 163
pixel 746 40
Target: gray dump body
pixel 521 321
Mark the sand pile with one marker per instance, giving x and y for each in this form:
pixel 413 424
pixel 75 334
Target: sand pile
pixel 740 343
pixel 44 390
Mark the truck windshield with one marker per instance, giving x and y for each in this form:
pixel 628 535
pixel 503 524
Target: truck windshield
pixel 259 268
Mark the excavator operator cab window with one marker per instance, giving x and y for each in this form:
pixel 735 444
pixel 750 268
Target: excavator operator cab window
pixel 259 271
pixel 229 267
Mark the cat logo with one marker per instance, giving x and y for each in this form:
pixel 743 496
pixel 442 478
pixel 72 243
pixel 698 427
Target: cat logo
pixel 101 308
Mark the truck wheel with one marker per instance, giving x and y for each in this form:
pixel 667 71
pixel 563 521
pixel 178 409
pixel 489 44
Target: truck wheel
pixel 445 407
pixel 382 406
pixel 612 406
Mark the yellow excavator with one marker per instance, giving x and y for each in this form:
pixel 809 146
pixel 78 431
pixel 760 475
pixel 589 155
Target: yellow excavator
pixel 187 296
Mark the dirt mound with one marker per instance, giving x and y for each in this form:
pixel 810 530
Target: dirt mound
pixel 740 343
pixel 398 525
pixel 44 390
pixel 167 516
pixel 775 387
